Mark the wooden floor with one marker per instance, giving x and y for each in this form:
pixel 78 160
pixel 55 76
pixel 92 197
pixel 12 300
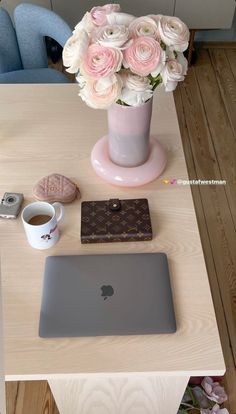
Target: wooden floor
pixel 206 107
pixel 30 397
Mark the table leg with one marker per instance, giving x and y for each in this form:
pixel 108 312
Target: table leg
pixel 131 394
pixel 190 47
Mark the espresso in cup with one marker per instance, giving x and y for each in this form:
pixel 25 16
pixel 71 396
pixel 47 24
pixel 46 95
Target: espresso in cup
pixel 39 219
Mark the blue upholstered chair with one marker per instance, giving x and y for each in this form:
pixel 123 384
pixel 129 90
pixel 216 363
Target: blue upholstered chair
pixel 32 24
pixel 23 56
pixel 33 76
pixel 9 52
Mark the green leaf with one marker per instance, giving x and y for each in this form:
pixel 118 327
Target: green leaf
pixel 194 401
pixel 155 81
pixel 120 102
pixel 163 46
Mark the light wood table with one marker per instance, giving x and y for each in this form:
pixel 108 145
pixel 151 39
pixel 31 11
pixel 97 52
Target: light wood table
pixel 46 129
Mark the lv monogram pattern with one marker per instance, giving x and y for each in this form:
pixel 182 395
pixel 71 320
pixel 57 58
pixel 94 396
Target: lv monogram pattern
pixel 101 223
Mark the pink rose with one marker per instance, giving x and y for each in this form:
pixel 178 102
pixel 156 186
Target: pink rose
pixel 144 26
pixel 100 93
pixel 214 410
pixel 214 391
pixel 100 61
pixel 143 56
pixel 99 13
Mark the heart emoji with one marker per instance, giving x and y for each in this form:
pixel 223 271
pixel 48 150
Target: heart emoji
pixel 166 181
pixel 173 181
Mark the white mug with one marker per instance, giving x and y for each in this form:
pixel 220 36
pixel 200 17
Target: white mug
pixel 42 236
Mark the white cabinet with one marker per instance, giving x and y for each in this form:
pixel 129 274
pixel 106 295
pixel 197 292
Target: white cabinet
pixel 73 10
pixel 206 14
pixel 10 5
pixel 197 14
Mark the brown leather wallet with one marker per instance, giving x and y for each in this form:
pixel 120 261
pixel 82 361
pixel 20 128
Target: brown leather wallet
pixel 115 221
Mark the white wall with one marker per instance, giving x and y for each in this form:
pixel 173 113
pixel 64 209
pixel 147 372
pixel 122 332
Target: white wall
pixel 206 14
pixel 10 5
pixel 218 35
pixel 197 14
pixel 73 10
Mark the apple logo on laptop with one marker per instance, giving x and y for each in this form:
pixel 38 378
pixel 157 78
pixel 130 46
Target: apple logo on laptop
pixel 107 290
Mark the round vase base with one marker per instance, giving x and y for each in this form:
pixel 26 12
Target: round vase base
pixel 128 176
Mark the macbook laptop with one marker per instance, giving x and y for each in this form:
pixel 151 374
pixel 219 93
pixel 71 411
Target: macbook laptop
pixel 118 294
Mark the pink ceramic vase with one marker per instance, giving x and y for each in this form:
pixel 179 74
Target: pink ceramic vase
pixel 129 134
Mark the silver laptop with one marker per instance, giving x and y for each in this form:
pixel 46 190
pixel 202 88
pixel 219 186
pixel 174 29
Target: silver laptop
pixel 118 294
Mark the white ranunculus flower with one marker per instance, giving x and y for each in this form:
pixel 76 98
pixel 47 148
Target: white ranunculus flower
pixel 170 55
pixel 101 93
pixel 155 17
pixel 174 33
pixel 143 26
pixel 136 89
pixel 74 50
pixel 174 72
pixel 161 64
pixel 112 36
pixel 120 18
pixel 183 62
pixel 99 13
pixel 85 24
pixel 81 80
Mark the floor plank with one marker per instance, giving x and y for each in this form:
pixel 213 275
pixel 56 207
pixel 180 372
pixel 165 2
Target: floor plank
pixel 226 83
pixel 30 397
pixel 218 214
pixel 231 55
pixel 220 107
pixel 230 377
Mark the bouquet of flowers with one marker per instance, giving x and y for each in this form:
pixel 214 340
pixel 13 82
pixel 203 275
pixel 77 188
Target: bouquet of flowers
pixel 204 397
pixel 120 58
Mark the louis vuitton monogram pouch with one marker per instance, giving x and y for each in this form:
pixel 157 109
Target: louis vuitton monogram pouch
pixel 115 221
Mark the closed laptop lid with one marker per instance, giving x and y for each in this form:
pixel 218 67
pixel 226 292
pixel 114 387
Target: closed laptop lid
pixel 121 294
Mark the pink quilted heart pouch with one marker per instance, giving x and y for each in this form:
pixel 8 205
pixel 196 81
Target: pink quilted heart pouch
pixel 56 187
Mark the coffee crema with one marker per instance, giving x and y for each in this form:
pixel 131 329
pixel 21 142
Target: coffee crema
pixel 39 219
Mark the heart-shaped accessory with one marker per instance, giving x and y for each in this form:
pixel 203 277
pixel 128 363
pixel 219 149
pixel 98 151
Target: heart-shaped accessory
pixel 56 187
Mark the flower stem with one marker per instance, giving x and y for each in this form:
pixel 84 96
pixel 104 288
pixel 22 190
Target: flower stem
pixel 190 391
pixel 188 405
